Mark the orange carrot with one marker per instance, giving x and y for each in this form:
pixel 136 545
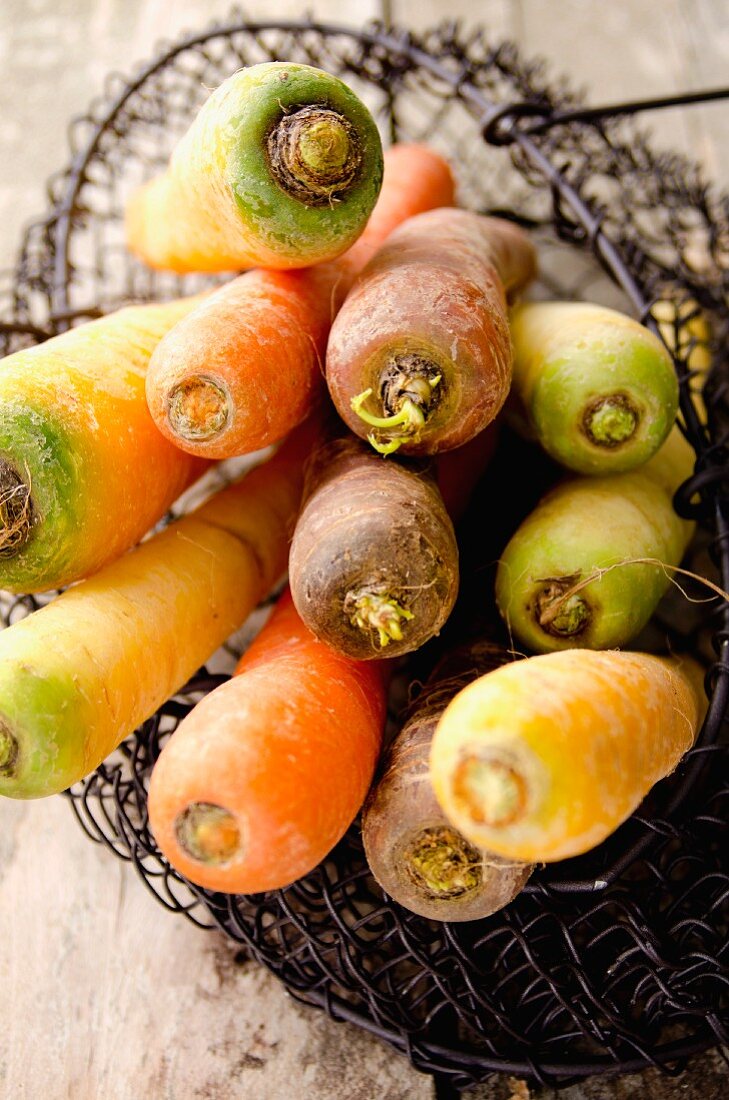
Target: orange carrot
pixel 264 776
pixel 244 369
pixel 544 758
pixel 420 351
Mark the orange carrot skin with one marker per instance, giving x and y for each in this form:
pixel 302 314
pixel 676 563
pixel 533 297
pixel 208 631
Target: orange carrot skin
pixel 430 309
pixel 247 366
pixel 288 747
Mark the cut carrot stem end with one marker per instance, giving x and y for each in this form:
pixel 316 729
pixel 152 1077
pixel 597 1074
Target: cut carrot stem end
pixel 198 408
pixel 15 511
pixel 560 613
pixel 443 864
pixel 490 791
pixel 314 154
pixel 411 397
pixel 378 613
pixel 208 833
pixel 610 421
pixel 8 751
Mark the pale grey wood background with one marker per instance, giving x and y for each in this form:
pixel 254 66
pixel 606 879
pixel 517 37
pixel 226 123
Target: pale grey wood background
pixel 102 995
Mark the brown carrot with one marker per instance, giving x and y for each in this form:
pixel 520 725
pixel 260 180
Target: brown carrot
pixel 419 357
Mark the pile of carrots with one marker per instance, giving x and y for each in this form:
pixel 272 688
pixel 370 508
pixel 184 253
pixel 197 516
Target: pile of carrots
pixel 375 342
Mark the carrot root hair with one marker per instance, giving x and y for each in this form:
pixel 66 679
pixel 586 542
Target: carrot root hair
pixel 549 615
pixel 16 510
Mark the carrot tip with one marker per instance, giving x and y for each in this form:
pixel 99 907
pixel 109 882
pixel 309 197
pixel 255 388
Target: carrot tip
pixel 198 408
pixel 610 421
pixel 208 833
pixel 442 864
pixel 314 155
pixel 490 791
pixel 377 613
pixel 16 511
pixel 8 751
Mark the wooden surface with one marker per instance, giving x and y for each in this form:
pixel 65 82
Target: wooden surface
pixel 103 995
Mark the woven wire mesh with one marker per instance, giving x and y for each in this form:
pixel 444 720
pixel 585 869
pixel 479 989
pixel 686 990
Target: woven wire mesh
pixel 604 964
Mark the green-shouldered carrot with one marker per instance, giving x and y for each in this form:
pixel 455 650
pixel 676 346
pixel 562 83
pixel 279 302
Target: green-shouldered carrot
pixel 245 367
pixel 419 356
pixel 84 473
pixel 599 389
pixel 264 776
pixel 413 851
pixel 374 561
pixel 542 759
pixel 280 169
pixel 80 674
pixel 560 583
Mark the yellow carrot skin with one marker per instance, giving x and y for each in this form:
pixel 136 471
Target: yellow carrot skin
pixel 84 473
pixel 280 169
pixel 599 389
pixel 589 524
pixel 79 675
pixel 542 759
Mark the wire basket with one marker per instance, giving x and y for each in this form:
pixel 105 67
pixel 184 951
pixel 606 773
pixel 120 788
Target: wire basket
pixel 607 963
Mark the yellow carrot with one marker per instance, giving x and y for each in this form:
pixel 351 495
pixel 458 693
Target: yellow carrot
pixel 80 674
pixel 280 169
pixel 84 473
pixel 544 758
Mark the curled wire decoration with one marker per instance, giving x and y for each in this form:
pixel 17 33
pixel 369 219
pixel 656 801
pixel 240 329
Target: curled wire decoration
pixel 607 963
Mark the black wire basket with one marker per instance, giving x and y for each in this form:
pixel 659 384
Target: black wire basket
pixel 604 964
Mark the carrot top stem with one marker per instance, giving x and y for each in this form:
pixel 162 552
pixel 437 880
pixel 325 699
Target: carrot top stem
pixel 199 408
pixel 208 833
pixel 378 612
pixel 408 397
pixel 610 421
pixel 8 751
pixel 16 511
pixel 314 154
pixel 560 610
pixel 442 863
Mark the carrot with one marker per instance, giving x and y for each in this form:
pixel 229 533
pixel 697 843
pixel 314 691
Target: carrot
pixel 245 367
pixel 413 851
pixel 280 169
pixel 598 388
pixel 542 759
pixel 264 776
pixel 374 562
pixel 80 674
pixel 419 356
pixel 84 473
pixel 575 535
